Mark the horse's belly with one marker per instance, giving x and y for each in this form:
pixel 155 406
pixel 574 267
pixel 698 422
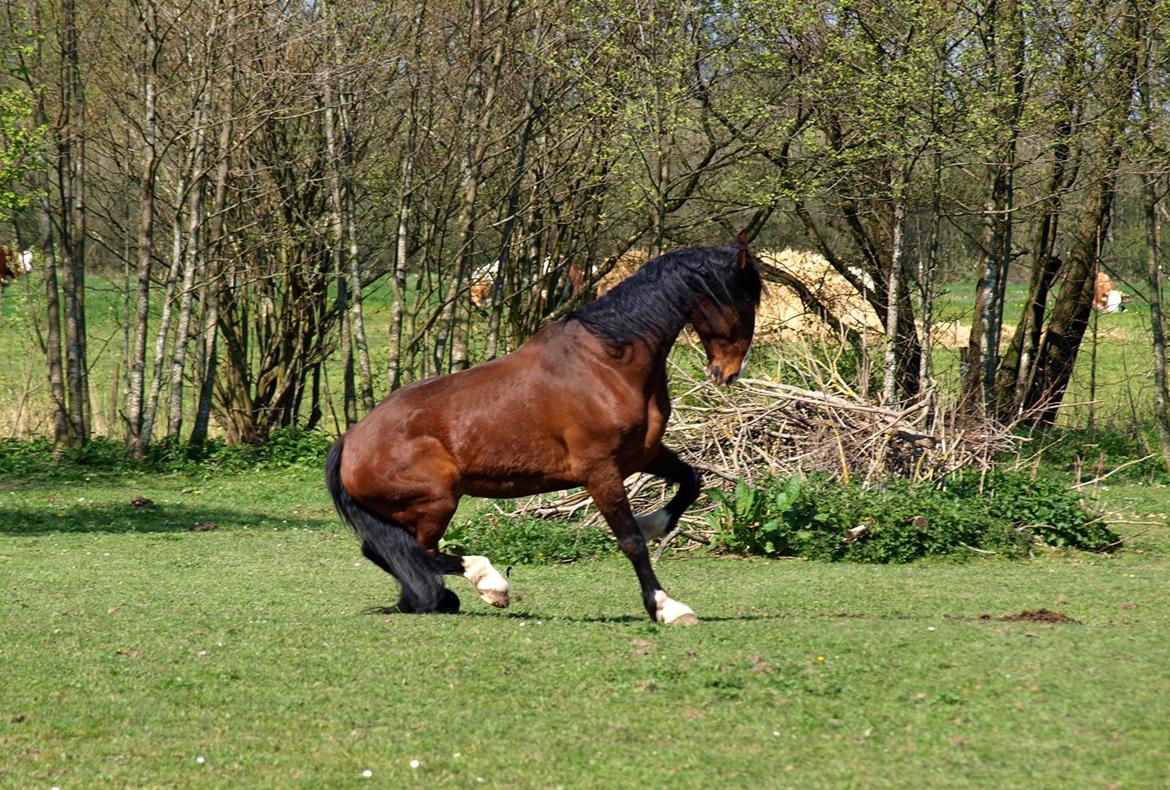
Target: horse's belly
pixel 509 487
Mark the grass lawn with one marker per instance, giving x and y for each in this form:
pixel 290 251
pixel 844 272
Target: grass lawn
pixel 136 652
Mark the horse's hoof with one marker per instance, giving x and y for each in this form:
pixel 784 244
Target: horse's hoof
pixel 496 598
pixel 672 612
pixel 448 602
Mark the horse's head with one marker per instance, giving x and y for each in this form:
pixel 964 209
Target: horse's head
pixel 726 320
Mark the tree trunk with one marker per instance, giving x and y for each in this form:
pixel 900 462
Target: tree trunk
pixel 344 251
pixel 1157 322
pixel 1005 38
pixel 532 114
pixel 135 401
pixel 1070 316
pixel 1018 365
pixel 217 252
pixel 71 168
pixel 480 106
pixel 190 267
pixel 63 435
pixel 1150 199
pixel 894 287
pixel 394 360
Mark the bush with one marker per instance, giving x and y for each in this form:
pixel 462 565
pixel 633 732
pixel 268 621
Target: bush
pixel 526 540
pixel 901 521
pixel 1042 503
pixel 284 449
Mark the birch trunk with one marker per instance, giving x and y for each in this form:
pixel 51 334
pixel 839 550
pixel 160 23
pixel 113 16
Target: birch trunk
pixel 190 266
pixel 135 402
pixel 893 290
pixel 71 188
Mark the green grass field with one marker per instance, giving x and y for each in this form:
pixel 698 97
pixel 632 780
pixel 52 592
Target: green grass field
pixel 136 652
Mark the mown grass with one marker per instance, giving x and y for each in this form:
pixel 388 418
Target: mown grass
pixel 133 647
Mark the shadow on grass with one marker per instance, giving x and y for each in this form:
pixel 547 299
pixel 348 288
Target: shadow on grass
pixel 617 619
pixel 123 517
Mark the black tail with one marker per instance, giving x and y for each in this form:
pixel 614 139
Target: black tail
pixel 390 547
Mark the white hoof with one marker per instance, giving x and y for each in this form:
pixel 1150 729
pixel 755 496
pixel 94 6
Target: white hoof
pixel 488 582
pixel 654 525
pixel 672 612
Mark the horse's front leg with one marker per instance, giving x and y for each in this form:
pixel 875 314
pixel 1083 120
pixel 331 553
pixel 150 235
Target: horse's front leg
pixel 488 582
pixel 610 497
pixel 672 469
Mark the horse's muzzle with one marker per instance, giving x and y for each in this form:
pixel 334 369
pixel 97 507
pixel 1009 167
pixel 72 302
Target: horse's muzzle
pixel 715 374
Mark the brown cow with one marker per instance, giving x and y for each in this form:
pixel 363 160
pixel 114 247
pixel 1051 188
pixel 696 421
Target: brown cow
pixel 13 265
pixel 483 279
pixel 1106 298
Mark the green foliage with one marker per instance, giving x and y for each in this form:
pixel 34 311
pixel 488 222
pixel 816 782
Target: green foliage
pixel 1042 503
pixel 753 520
pixel 526 540
pixel 284 449
pixel 902 521
pixel 22 143
pixel 291 447
pixel 1096 452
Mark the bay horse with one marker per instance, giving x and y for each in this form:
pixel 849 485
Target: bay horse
pixel 583 402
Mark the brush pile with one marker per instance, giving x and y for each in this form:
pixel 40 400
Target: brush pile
pixel 759 428
pixel 769 428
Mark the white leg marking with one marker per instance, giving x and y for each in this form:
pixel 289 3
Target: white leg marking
pixel 671 611
pixel 489 583
pixel 654 525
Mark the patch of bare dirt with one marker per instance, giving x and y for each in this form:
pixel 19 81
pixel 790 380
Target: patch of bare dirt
pixel 1036 616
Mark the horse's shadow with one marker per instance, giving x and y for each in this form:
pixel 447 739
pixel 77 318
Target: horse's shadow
pixel 618 619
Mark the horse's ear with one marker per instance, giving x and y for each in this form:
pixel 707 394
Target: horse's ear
pixel 741 241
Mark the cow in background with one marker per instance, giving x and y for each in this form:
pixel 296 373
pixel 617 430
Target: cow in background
pixel 571 281
pixel 13 265
pixel 1106 298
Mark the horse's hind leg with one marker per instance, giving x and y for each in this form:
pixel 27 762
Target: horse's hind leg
pixel 488 582
pixel 610 497
pixel 673 469
pixel 448 601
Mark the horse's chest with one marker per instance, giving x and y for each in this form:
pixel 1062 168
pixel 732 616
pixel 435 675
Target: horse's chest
pixel 656 416
pixel 643 432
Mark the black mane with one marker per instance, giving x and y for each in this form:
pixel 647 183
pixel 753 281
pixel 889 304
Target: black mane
pixel 655 302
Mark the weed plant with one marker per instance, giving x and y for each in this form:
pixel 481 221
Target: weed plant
pixel 1002 512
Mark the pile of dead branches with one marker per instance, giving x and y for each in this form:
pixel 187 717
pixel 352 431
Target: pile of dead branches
pixel 769 428
pixel 759 428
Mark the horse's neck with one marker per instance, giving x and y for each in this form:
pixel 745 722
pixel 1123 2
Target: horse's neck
pixel 649 362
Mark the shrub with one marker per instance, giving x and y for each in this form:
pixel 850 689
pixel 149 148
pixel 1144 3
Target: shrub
pixel 290 447
pixel 526 540
pixel 902 521
pixel 284 449
pixel 753 520
pixel 1042 503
